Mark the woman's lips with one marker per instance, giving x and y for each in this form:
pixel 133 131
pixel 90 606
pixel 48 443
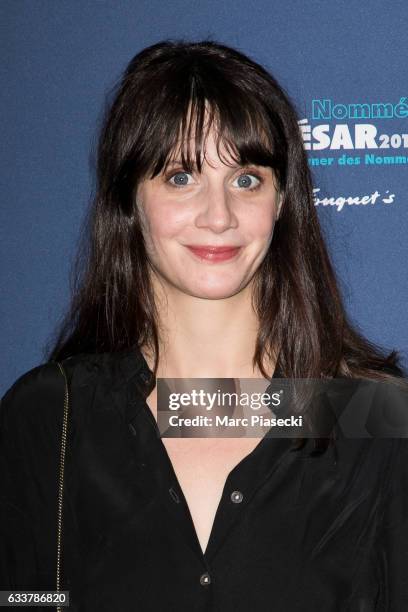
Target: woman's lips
pixel 214 253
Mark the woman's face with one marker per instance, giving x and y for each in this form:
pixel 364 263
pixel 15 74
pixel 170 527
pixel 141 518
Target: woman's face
pixel 221 207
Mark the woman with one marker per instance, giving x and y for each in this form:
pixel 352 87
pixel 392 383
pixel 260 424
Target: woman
pixel 206 260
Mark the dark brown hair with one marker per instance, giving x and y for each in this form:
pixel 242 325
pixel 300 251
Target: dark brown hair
pixel 296 295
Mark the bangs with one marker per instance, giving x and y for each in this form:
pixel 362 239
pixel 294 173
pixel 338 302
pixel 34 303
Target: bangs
pixel 245 126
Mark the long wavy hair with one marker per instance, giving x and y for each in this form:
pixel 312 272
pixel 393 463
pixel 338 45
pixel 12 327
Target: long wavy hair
pixel 164 98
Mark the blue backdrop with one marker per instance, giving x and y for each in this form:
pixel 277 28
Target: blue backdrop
pixel 344 65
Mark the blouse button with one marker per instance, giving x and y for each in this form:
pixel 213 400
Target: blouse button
pixel 145 377
pixel 205 578
pixel 237 497
pixel 174 495
pixel 133 429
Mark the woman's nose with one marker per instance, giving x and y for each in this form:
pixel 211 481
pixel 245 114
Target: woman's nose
pixel 216 211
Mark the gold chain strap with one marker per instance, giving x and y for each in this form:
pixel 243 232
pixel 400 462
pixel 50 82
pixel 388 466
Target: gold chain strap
pixel 61 479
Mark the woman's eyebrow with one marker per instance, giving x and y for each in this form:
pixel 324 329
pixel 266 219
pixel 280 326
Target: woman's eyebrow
pixel 179 162
pixel 175 161
pixel 192 167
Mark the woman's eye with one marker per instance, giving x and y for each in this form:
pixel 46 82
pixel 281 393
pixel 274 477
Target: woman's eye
pixel 248 181
pixel 180 179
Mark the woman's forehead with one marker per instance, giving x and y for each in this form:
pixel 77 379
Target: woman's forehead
pixel 211 147
pixel 210 138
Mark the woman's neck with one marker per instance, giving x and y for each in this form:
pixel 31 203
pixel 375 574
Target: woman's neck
pixel 202 338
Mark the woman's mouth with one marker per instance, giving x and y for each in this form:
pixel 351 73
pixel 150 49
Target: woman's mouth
pixel 213 253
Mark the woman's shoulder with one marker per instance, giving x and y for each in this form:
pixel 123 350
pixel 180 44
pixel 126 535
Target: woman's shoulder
pixel 29 403
pixel 39 392
pixel 42 377
pixel 38 379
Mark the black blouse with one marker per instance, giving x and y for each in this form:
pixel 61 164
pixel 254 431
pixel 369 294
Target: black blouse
pixel 292 532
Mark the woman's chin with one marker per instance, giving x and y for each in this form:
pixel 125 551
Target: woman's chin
pixel 213 293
